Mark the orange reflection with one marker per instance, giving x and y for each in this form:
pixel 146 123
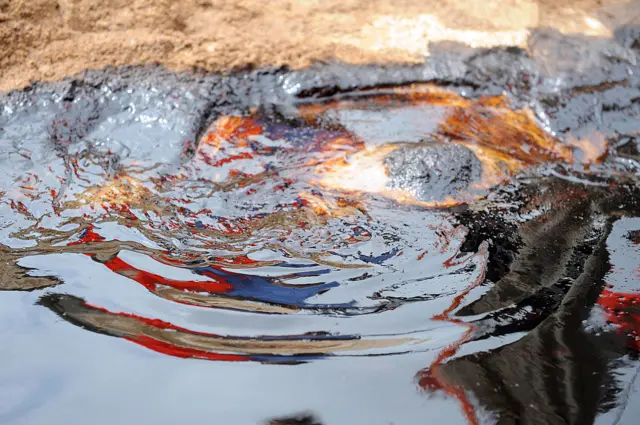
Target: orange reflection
pixel 592 150
pixel 506 141
pixel 227 128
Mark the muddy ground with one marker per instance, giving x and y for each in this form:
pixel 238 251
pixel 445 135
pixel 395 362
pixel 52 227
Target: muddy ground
pixel 47 40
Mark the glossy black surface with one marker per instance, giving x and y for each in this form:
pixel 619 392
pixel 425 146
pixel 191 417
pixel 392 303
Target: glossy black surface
pixel 201 249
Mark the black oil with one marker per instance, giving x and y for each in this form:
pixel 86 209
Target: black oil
pixel 451 243
pixel 431 171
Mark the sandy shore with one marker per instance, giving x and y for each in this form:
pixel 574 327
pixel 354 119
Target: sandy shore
pixel 49 39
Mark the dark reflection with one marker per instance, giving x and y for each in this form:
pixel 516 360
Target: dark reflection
pixel 634 236
pixel 559 372
pixel 556 374
pixel 16 278
pixel 551 248
pixel 166 338
pixel 304 419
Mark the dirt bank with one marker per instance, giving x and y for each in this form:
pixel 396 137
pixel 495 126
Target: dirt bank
pixel 51 39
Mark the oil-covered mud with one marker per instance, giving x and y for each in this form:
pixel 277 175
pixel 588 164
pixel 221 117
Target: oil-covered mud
pixel 432 171
pixel 453 243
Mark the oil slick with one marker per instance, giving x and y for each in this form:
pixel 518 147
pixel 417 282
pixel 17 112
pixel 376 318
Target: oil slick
pixel 505 141
pixel 335 232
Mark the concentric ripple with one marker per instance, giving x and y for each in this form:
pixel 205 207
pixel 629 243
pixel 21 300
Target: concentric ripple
pixel 278 239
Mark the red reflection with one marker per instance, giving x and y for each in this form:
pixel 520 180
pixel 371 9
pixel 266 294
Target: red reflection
pixel 89 235
pixel 623 309
pixel 183 352
pixel 230 158
pixel 151 280
pixel 430 379
pixel 168 348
